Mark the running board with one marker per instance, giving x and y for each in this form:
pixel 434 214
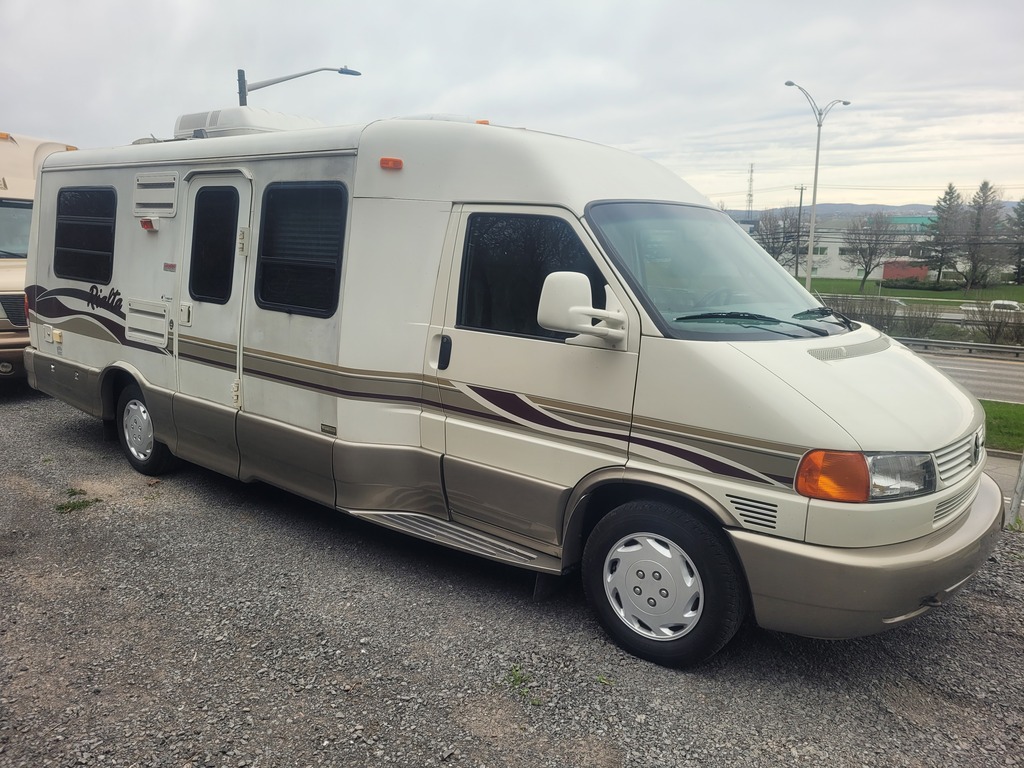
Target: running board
pixel 462 538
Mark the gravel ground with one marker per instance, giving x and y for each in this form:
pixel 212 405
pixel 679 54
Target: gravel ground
pixel 197 621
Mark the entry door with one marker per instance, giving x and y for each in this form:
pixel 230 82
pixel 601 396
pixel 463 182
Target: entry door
pixel 209 319
pixel 527 412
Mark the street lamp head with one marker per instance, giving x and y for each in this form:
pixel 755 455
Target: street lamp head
pixel 790 82
pixel 846 103
pixel 244 87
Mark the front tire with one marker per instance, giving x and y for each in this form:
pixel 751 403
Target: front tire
pixel 663 583
pixel 137 437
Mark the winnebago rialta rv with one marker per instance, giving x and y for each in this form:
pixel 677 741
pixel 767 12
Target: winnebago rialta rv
pixel 539 350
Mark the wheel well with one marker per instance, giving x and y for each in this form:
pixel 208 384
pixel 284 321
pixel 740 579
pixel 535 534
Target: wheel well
pixel 605 498
pixel 114 382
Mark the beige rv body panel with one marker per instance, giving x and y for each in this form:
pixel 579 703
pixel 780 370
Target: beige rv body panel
pixel 300 308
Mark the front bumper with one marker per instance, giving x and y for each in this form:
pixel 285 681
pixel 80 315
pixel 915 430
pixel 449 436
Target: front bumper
pixel 831 592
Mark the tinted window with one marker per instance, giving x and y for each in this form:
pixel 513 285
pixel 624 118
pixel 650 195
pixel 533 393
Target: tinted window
pixel 214 230
pixel 507 257
pixel 702 277
pixel 85 234
pixel 301 240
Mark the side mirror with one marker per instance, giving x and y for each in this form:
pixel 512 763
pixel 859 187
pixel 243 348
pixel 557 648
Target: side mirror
pixel 566 306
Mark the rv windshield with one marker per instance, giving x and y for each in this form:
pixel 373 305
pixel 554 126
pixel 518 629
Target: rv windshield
pixel 704 278
pixel 15 222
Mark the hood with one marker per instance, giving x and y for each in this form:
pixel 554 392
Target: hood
pixel 878 391
pixel 12 275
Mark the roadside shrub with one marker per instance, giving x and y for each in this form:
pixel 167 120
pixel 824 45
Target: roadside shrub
pixel 997 326
pixel 919 320
pixel 879 312
pixel 922 285
pixel 1015 330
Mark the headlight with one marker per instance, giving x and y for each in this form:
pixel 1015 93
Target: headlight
pixel 858 477
pixel 900 475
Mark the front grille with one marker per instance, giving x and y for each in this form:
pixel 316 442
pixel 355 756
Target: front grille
pixel 14 308
pixel 957 460
pixel 955 504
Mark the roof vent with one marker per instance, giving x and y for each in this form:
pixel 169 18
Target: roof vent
pixel 238 121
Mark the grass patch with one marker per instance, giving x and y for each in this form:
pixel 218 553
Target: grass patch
pixel 75 501
pixel 1004 426
pixel 850 286
pixel 519 682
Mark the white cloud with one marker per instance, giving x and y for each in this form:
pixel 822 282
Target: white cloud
pixel 935 85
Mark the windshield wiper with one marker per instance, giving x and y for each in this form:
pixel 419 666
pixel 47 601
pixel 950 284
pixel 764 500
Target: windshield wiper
pixel 822 312
pixel 750 316
pixel 11 254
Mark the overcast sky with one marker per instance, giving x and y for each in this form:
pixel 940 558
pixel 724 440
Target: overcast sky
pixel 937 87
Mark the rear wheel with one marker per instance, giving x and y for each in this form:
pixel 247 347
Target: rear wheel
pixel 663 583
pixel 137 437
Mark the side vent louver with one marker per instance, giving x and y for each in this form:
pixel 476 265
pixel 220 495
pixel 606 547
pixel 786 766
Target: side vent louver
pixel 156 194
pixel 755 513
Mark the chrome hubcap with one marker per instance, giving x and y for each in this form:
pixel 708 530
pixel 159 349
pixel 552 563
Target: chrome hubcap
pixel 653 586
pixel 138 430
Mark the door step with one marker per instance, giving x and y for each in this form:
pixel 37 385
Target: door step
pixel 461 537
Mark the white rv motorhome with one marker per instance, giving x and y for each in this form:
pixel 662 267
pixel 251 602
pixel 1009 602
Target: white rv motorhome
pixel 20 158
pixel 543 351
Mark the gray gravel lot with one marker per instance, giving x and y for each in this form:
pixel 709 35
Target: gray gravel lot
pixel 197 621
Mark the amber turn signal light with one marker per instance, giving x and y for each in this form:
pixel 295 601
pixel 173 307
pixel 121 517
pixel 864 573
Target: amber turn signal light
pixel 834 476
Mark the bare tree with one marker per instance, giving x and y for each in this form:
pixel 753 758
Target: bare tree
pixel 870 242
pixel 778 233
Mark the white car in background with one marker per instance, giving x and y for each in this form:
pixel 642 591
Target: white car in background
pixel 1002 305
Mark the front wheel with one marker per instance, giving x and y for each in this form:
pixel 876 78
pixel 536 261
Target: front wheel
pixel 136 435
pixel 663 583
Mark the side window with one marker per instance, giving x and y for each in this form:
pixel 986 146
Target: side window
pixel 214 228
pixel 506 259
pixel 84 240
pixel 301 238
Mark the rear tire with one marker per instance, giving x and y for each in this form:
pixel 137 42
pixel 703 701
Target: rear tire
pixel 663 583
pixel 137 437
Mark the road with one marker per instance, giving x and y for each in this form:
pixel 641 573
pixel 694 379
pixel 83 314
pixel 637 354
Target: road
pixel 194 620
pixel 986 378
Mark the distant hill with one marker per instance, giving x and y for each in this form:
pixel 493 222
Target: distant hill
pixel 829 211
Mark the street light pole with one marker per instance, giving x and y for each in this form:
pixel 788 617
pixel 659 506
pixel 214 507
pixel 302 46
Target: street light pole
pixel 244 88
pixel 819 118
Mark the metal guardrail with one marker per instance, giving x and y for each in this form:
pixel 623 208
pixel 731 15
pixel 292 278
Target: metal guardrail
pixel 982 350
pixel 1013 512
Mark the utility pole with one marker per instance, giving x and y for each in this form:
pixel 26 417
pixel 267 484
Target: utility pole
pixel 799 226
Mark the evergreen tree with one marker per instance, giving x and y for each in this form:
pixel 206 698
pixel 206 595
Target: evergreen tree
pixel 945 232
pixel 983 251
pixel 1015 223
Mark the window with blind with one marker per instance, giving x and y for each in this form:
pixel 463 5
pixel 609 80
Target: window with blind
pixel 301 239
pixel 84 241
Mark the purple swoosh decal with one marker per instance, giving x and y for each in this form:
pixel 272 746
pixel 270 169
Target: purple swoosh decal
pixel 517 406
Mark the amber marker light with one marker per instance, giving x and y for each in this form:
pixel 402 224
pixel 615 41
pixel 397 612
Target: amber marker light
pixel 834 476
pixel 391 163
